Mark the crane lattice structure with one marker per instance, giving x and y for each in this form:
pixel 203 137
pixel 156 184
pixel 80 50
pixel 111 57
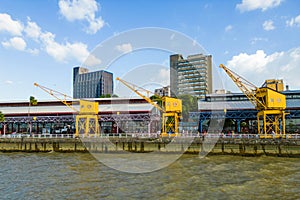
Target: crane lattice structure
pixel 86 117
pixel 268 101
pixel 171 108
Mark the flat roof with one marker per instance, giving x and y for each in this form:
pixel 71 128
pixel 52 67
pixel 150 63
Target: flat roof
pixel 52 107
pixel 239 104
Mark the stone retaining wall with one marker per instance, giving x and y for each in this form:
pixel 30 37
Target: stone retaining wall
pixel 223 146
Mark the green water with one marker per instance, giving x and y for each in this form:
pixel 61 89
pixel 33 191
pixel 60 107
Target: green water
pixel 80 176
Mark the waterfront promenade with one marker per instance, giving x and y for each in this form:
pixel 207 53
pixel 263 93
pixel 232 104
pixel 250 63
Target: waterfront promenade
pixel 239 144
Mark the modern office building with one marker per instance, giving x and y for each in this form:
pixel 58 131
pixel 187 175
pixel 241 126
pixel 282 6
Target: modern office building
pixel 192 75
pixel 91 84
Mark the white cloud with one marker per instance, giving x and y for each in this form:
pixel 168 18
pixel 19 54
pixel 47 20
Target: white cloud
pixel 95 25
pixel 92 61
pixel 254 62
pixel 82 10
pixel 164 76
pixel 16 43
pixel 164 73
pixel 258 67
pixel 248 5
pixel 33 51
pixel 124 48
pixel 9 82
pixel 64 52
pixel 258 39
pixel 7 24
pixel 32 30
pixel 166 62
pixel 228 28
pixel 294 21
pixel 60 52
pixel 268 25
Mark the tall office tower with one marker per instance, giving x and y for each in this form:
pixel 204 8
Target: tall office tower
pixel 192 75
pixel 91 84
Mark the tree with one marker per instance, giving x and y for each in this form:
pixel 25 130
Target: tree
pixel 105 96
pixel 189 104
pixel 32 102
pixel 157 99
pixel 2 118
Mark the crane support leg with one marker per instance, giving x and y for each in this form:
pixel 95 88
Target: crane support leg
pixel 87 124
pixel 170 123
pixel 272 123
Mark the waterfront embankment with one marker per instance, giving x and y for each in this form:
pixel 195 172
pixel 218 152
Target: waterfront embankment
pixel 196 145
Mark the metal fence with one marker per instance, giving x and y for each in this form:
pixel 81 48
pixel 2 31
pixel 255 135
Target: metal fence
pixel 155 135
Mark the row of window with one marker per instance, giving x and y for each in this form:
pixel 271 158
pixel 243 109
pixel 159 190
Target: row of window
pixel 244 98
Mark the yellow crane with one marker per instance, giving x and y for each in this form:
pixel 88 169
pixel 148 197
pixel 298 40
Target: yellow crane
pixel 86 116
pixel 171 109
pixel 268 101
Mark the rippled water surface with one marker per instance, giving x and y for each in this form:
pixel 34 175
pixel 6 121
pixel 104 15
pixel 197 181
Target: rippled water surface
pixel 80 176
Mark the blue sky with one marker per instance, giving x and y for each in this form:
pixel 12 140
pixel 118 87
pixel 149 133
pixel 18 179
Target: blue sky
pixel 41 41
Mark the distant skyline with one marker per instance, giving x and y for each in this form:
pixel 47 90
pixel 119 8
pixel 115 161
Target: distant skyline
pixel 41 41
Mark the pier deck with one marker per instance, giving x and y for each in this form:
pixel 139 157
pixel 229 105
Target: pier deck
pixel 243 146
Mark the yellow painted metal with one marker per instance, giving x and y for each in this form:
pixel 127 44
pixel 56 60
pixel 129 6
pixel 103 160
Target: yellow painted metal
pixel 248 88
pixel 88 107
pixel 138 90
pixel 171 109
pixel 58 95
pixel 268 100
pixel 170 123
pixel 87 119
pixel 87 115
pixel 272 120
pixel 275 84
pixel 87 124
pixel 271 99
pixel 172 104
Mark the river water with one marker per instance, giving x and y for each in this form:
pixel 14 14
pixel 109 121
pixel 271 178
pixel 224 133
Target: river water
pixel 81 176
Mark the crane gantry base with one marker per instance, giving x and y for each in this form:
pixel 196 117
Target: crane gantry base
pixel 170 124
pixel 273 123
pixel 87 124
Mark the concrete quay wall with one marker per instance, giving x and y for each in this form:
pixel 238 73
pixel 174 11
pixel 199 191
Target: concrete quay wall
pixel 221 146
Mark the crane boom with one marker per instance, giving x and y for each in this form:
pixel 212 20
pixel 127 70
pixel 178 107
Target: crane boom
pixel 245 86
pixel 136 89
pixel 86 118
pixel 171 109
pixel 56 95
pixel 268 101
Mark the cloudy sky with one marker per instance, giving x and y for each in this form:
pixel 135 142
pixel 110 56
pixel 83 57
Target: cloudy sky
pixel 41 41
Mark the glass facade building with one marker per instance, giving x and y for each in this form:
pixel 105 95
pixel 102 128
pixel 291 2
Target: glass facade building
pixel 192 75
pixel 91 84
